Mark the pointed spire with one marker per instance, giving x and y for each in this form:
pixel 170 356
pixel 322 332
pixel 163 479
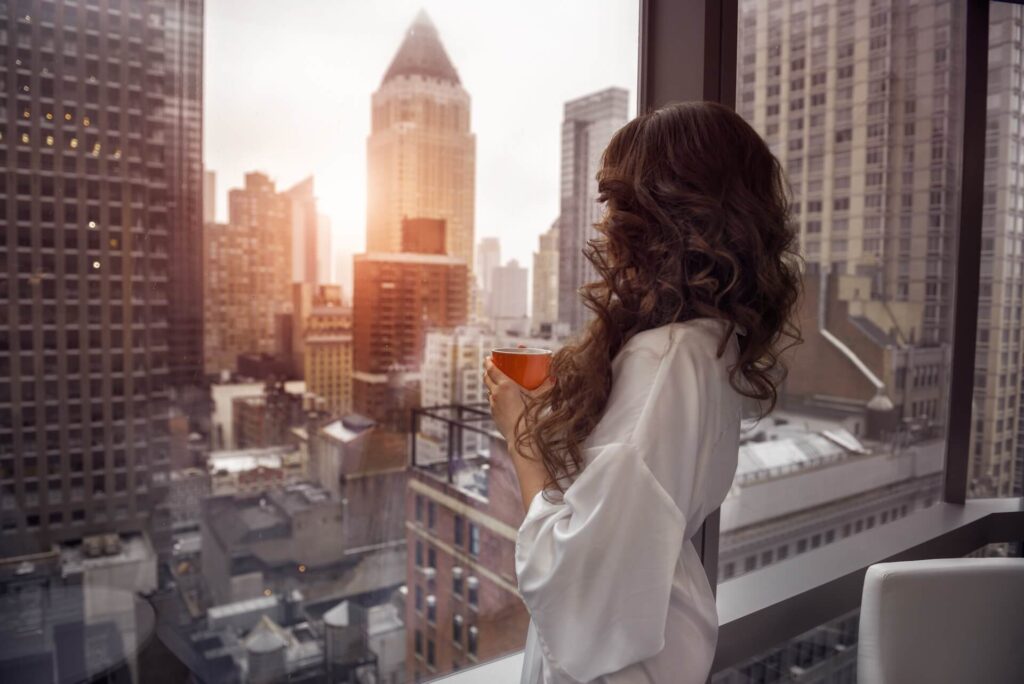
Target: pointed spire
pixel 422 54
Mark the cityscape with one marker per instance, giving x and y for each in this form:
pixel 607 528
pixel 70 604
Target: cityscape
pixel 236 448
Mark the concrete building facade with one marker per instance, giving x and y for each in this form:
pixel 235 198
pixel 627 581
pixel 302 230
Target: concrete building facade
pixel 588 124
pixel 247 268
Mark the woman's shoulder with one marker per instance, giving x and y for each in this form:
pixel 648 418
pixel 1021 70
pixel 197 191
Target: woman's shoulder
pixel 699 335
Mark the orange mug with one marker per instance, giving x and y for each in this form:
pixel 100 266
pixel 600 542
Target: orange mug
pixel 528 366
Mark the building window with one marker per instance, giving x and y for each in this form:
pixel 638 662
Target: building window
pixel 457 629
pixel 460 531
pixel 431 514
pixel 473 591
pixel 749 563
pixel 474 539
pixel 457 581
pixel 431 608
pixel 419 508
pixel 430 652
pixel 419 599
pixel 432 557
pixel 419 642
pixel 419 554
pixel 782 552
pixel 471 641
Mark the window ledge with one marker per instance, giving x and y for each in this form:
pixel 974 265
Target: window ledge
pixel 764 608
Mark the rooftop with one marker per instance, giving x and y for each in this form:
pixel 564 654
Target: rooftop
pixel 348 427
pixel 240 460
pixel 130 548
pixel 243 519
pixel 422 54
pixel 785 441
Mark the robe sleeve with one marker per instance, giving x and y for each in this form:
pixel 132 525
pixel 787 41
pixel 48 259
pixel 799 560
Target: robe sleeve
pixel 595 569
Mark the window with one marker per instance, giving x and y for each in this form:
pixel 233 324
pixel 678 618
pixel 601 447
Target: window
pixel 473 592
pixel 460 533
pixel 457 581
pixel 998 431
pixel 474 539
pixel 457 630
pixel 471 640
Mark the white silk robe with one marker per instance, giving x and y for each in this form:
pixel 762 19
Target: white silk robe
pixel 615 589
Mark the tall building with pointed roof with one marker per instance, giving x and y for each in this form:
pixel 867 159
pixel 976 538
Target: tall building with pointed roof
pixel 421 153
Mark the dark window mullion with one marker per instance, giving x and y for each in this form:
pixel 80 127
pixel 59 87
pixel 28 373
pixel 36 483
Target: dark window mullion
pixel 968 251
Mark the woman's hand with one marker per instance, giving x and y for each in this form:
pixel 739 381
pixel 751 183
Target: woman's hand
pixel 507 398
pixel 508 401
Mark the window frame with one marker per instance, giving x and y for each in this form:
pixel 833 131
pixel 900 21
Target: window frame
pixel 709 37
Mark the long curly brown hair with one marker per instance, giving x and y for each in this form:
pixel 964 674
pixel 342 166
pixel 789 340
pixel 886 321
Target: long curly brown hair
pixel 696 224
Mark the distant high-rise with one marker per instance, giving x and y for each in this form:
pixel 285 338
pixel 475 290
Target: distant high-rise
pixel 182 26
pixel 324 251
pixel 873 161
pixel 589 123
pixel 102 199
pixel 545 279
pixel 327 345
pixel 305 229
pixel 421 153
pixel 209 196
pixel 508 304
pixel 488 258
pixel 398 297
pixel 998 465
pixel 248 274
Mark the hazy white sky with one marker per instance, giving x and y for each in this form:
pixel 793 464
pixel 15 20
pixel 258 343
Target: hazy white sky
pixel 288 89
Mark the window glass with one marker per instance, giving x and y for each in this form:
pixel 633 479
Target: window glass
pixel 997 437
pixel 246 241
pixel 870 142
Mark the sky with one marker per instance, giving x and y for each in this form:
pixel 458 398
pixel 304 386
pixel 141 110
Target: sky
pixel 288 86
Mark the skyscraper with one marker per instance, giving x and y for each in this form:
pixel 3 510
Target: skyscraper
pixel 421 153
pixel 248 281
pixel 488 258
pixel 327 358
pixel 998 465
pixel 209 196
pixel 95 216
pixel 545 279
pixel 398 297
pixel 509 297
pixel 872 161
pixel 324 249
pixel 305 227
pixel 182 25
pixel 588 124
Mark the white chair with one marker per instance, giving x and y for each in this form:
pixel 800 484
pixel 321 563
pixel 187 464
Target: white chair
pixel 951 620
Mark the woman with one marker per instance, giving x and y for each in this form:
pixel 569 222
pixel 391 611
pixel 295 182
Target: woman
pixel 634 442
